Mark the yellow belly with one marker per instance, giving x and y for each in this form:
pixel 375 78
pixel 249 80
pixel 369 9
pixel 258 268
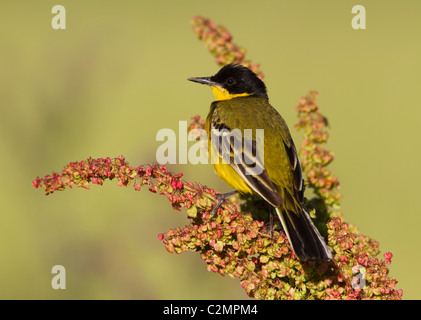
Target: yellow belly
pixel 231 178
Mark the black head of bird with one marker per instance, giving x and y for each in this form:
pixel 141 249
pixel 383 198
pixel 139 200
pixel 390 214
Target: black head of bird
pixel 234 81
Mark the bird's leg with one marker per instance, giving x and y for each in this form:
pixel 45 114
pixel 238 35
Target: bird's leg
pixel 221 198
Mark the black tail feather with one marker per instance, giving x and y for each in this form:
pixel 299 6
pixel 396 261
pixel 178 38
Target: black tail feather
pixel 303 235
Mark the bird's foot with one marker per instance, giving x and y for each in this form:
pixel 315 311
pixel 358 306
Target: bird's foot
pixel 221 198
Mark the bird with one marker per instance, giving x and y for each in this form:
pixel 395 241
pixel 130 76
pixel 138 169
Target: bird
pixel 252 151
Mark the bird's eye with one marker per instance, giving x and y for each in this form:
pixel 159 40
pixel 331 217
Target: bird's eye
pixel 230 81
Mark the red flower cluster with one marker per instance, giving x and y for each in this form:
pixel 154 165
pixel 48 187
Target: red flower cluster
pixel 218 42
pixel 196 123
pixel 314 157
pixel 81 174
pixel 236 245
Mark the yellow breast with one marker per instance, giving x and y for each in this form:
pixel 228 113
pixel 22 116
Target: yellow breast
pixel 227 174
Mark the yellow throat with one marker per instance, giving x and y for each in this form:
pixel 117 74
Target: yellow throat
pixel 223 94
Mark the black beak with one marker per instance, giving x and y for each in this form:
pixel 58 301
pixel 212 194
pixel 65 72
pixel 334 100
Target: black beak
pixel 204 80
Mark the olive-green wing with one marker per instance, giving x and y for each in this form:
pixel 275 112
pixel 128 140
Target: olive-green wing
pixel 296 170
pixel 280 167
pixel 243 156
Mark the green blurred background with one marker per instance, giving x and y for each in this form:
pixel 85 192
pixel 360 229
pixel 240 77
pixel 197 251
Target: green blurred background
pixel 117 74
